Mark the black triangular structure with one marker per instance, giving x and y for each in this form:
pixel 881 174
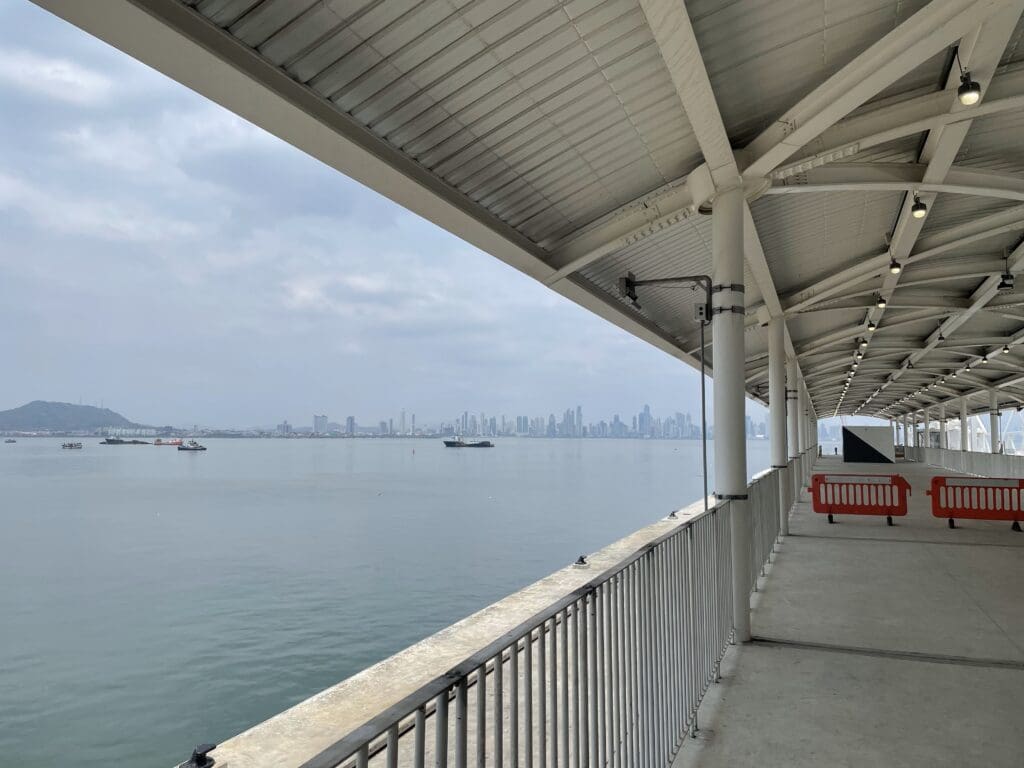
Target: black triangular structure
pixel 857 450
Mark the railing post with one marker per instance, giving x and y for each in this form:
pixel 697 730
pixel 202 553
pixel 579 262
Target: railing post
pixel 730 427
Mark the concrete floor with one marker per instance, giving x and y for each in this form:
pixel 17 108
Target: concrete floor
pixel 877 646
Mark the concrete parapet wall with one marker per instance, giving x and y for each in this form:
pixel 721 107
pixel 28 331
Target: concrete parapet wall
pixel 970 462
pixel 296 735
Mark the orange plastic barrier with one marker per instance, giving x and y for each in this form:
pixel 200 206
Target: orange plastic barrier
pixel 860 495
pixel 978 498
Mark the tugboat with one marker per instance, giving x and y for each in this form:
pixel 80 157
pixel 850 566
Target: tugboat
pixel 191 445
pixel 460 443
pixel 71 446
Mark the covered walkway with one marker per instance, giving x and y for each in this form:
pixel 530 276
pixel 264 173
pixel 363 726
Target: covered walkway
pixel 877 645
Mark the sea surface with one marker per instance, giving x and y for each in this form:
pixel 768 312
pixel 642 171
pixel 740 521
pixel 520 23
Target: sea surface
pixel 151 600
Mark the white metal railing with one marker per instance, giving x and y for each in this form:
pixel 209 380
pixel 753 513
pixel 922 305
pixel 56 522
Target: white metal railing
pixel 969 462
pixel 610 673
pixel 763 506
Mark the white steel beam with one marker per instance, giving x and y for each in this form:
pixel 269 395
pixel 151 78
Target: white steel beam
pixel 896 119
pixel 901 177
pixel 914 41
pixel 868 266
pixel 980 51
pixel 673 32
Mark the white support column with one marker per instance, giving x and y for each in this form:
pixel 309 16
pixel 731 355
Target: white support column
pixel 913 430
pixel 942 427
pixel 801 418
pixel 730 424
pixel 812 425
pixel 927 427
pixel 993 419
pixel 777 414
pixel 964 445
pixel 792 409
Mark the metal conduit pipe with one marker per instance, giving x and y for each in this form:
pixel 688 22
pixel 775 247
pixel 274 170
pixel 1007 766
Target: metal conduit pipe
pixel 993 419
pixel 728 312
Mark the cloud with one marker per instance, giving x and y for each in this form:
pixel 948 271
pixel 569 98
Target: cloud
pixel 55 78
pixel 55 211
pixel 156 232
pixel 162 144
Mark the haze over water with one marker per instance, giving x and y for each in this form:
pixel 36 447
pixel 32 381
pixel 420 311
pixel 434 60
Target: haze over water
pixel 154 599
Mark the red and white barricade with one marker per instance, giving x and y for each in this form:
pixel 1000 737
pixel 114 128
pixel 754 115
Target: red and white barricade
pixel 978 498
pixel 836 494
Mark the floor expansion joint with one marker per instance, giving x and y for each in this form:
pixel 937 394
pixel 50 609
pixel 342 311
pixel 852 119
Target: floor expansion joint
pixel 932 658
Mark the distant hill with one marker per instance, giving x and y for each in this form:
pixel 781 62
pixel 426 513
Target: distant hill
pixel 61 417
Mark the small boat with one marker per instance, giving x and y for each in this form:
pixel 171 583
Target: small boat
pixel 10 440
pixel 191 445
pixel 460 443
pixel 71 446
pixel 172 441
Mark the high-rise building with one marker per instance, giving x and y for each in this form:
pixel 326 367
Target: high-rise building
pixel 319 425
pixel 401 425
pixel 284 428
pixel 350 425
pixel 579 422
pixel 413 424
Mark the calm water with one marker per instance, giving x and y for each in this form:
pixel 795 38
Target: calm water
pixel 151 599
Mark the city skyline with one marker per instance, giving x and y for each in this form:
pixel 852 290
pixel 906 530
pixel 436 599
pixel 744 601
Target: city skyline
pixel 643 424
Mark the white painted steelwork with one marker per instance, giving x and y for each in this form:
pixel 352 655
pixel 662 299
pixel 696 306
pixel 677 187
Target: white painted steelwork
pixel 579 141
pixel 777 428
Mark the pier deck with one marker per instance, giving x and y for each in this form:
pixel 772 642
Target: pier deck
pixel 877 646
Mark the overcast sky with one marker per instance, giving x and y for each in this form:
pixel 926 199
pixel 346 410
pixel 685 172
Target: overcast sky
pixel 165 257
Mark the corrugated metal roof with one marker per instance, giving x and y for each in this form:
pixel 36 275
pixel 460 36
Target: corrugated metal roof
pixel 763 56
pixel 953 210
pixel 808 236
pixel 995 143
pixel 550 115
pixel 547 114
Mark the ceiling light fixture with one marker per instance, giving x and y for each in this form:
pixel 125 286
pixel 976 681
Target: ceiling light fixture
pixel 1005 279
pixel 918 210
pixel 969 91
pixel 871 325
pixel 1006 349
pixel 880 302
pixel 894 267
